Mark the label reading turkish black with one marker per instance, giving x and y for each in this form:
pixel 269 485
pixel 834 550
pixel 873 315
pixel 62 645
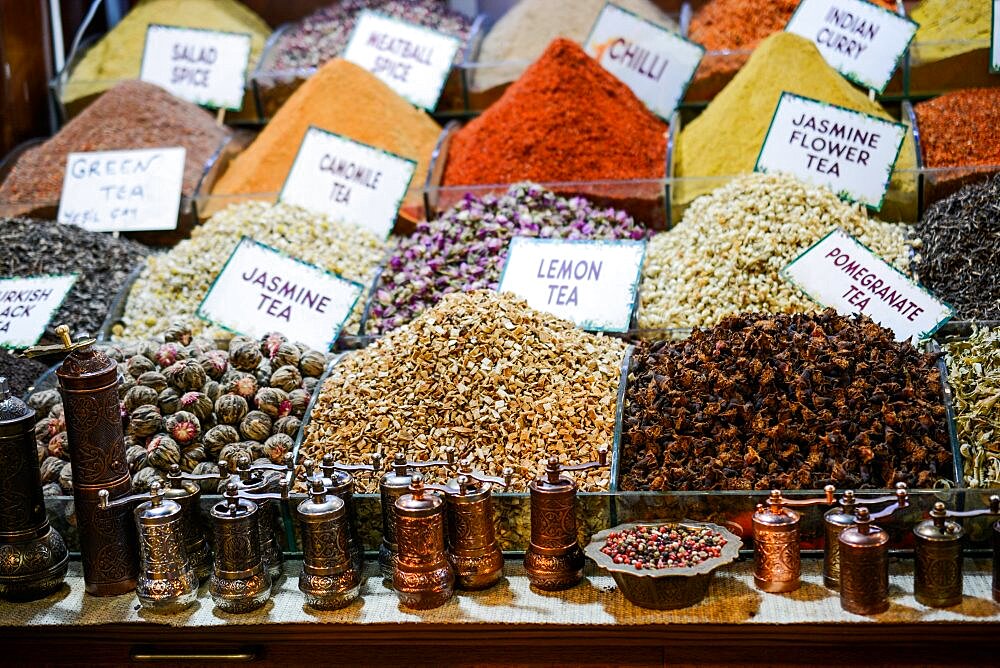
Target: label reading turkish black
pixel 27 305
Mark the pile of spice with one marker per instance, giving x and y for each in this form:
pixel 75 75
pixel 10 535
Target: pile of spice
pixel 521 35
pixel 322 35
pixel 786 401
pixel 974 376
pixel 20 372
pixel 949 28
pixel 663 546
pixel 958 250
pixel 173 284
pixel 466 247
pixel 191 403
pixel 132 115
pixel 727 253
pixel 727 137
pixel 118 56
pixel 344 99
pixel 503 384
pixel 567 119
pixel 961 128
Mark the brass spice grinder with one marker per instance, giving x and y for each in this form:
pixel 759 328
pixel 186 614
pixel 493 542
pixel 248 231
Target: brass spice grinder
pixel 183 489
pixel 261 478
pixel 473 549
pixel 864 563
pixel 422 575
pixel 339 481
pixel 836 521
pixel 777 558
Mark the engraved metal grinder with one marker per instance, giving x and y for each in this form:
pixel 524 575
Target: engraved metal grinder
pixel 183 489
pixel 33 556
pixel 392 485
pixel 864 562
pixel 88 383
pixel 339 481
pixel 422 575
pixel 836 521
pixel 330 578
pixel 259 478
pixel 166 583
pixel 937 569
pixel 777 556
pixel 473 549
pixel 554 560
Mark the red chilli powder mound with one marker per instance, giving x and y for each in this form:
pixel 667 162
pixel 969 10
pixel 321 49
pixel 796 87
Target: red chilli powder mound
pixel 960 128
pixel 566 119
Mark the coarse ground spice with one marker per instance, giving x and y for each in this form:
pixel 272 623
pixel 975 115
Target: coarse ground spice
pixel 344 99
pixel 959 250
pixel 790 401
pixel 466 247
pixel 522 34
pixel 503 384
pixel 726 138
pixel 20 372
pixel 974 376
pixel 948 28
pixel 960 128
pixel 132 115
pixel 567 119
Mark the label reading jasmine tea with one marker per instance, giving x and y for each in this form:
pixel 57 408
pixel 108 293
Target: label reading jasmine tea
pixel 27 305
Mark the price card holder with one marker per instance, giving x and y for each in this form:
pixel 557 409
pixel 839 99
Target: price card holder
pixel 851 153
pixel 840 272
pixel 654 62
pixel 123 191
pixel 859 39
pixel 592 283
pixel 206 67
pixel 27 305
pixel 412 60
pixel 995 37
pixel 261 290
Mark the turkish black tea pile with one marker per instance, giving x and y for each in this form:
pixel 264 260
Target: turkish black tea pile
pixel 20 372
pixel 789 401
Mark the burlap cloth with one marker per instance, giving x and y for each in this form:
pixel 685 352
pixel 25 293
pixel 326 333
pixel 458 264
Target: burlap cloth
pixel 732 599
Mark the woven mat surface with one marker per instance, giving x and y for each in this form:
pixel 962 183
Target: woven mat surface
pixel 732 599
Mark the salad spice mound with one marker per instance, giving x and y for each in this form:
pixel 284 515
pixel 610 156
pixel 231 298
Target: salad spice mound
pixel 974 376
pixel 466 247
pixel 787 401
pixel 664 546
pixel 503 384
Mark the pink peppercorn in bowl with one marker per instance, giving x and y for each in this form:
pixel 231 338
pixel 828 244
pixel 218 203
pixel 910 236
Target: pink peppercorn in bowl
pixel 663 565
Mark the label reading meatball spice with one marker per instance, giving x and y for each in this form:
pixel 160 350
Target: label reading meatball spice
pixel 654 62
pixel 841 273
pixel 207 67
pixel 261 290
pixel 27 305
pixel 861 40
pixel 412 60
pixel 349 181
pixel 123 191
pixel 592 283
pixel 851 153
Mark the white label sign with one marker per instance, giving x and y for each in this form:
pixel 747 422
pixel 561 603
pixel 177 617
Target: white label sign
pixel 412 60
pixel 592 283
pixel 841 273
pixel 261 290
pixel 123 191
pixel 207 67
pixel 861 40
pixel 995 38
pixel 851 153
pixel 350 181
pixel 654 62
pixel 27 305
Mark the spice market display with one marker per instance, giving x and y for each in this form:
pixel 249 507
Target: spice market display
pixel 592 355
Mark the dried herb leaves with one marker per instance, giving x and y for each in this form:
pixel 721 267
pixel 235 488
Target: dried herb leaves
pixel 974 376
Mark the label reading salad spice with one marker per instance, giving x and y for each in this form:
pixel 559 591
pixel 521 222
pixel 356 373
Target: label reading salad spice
pixel 592 283
pixel 350 181
pixel 841 273
pixel 207 67
pixel 654 62
pixel 27 305
pixel 861 40
pixel 123 191
pixel 261 290
pixel 412 60
pixel 851 153
pixel 995 38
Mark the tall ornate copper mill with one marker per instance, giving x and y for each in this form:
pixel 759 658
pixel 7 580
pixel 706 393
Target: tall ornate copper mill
pixel 88 383
pixel 777 555
pixel 422 575
pixel 473 549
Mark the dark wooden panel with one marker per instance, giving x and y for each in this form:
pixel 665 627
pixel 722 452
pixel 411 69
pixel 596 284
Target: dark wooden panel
pixel 26 63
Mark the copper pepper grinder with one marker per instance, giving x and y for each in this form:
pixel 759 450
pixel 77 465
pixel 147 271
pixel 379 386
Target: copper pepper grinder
pixel 183 489
pixel 256 478
pixel 167 583
pixel 937 571
pixel 554 560
pixel 88 383
pixel 864 563
pixel 777 559
pixel 339 481
pixel 392 485
pixel 473 549
pixel 33 556
pixel 836 521
pixel 422 576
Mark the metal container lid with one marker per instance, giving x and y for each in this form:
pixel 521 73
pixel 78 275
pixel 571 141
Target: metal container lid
pixel 773 513
pixel 320 503
pixel 233 506
pixel 158 510
pixel 551 479
pixel 843 515
pixel 13 412
pixel 417 503
pixel 864 534
pixel 466 490
pixel 398 475
pixel 939 528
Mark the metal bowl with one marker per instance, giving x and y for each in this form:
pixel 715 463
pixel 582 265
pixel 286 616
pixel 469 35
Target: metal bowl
pixel 665 588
